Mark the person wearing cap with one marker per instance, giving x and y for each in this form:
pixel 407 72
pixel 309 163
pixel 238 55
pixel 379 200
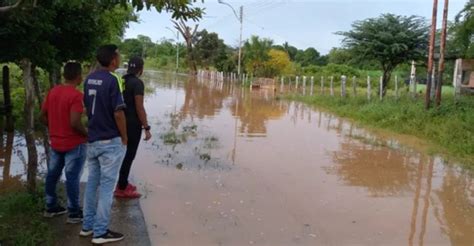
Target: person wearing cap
pixel 136 123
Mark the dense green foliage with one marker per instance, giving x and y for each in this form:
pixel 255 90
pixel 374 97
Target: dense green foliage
pixel 389 39
pixel 21 220
pixel 463 31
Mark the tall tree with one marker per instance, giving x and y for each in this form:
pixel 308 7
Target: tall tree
pixel 389 39
pixel 278 63
pixel 310 56
pixel 33 35
pixel 464 30
pixel 188 34
pixel 209 48
pixel 131 47
pixel 256 54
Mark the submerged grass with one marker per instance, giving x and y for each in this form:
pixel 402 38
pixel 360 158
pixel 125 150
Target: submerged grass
pixel 21 220
pixel 450 127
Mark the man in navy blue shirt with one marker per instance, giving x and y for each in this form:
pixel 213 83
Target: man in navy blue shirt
pixel 107 137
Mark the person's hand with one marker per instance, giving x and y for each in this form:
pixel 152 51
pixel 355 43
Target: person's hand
pixel 147 135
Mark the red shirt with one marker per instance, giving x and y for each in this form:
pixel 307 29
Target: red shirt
pixel 60 102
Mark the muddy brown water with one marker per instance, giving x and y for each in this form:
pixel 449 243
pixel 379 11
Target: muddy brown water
pixel 230 166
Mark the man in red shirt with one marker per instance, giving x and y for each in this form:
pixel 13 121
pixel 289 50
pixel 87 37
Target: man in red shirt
pixel 61 112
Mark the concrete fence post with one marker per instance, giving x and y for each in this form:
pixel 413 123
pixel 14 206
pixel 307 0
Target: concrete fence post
pixel 343 86
pixel 381 88
pixel 368 88
pixel 297 81
pixel 304 85
pixel 322 85
pixel 312 85
pixel 396 87
pixel 354 86
pixel 332 86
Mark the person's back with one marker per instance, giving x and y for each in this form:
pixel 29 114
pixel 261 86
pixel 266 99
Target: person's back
pixel 60 101
pixel 107 140
pixel 61 112
pixel 102 97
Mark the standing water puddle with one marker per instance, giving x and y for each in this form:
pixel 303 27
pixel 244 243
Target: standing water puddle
pixel 230 166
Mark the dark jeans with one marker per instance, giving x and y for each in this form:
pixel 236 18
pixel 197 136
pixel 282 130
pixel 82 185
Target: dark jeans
pixel 73 162
pixel 134 132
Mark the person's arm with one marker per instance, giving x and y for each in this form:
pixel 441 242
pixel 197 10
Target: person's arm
pixel 140 108
pixel 121 125
pixel 76 123
pixel 77 109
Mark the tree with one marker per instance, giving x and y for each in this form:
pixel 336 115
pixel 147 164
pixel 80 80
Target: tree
pixel 278 63
pixel 131 47
pixel 188 34
pixel 291 50
pixel 310 56
pixel 340 56
pixel 209 49
pixel 255 53
pixel 76 34
pixel 389 39
pixel 463 31
pixel 33 36
pixel 182 9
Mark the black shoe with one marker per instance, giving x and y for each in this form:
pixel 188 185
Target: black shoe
pixel 108 237
pixel 75 218
pixel 52 212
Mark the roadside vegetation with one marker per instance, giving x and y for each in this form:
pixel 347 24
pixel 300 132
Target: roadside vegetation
pixel 21 220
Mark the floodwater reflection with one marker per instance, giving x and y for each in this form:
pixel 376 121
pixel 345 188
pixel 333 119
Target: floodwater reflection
pixel 250 169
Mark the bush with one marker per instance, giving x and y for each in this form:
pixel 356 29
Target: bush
pixel 21 221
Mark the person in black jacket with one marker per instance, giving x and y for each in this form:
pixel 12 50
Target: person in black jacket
pixel 136 123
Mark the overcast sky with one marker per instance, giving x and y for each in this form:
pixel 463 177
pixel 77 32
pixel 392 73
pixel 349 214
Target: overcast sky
pixel 310 23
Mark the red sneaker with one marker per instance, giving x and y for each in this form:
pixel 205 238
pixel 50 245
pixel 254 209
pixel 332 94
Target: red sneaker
pixel 127 193
pixel 132 187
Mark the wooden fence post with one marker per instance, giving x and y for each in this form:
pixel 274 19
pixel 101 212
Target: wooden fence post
pixel 457 89
pixel 368 88
pixel 297 80
pixel 332 85
pixel 312 85
pixel 354 86
pixel 343 86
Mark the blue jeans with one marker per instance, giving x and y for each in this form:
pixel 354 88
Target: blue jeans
pixel 73 162
pixel 104 159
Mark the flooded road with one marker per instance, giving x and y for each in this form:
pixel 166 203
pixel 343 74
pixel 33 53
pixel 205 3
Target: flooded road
pixel 229 166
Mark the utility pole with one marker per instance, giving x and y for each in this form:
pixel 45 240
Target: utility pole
pixel 439 86
pixel 177 51
pixel 177 47
pixel 240 18
pixel 431 55
pixel 240 39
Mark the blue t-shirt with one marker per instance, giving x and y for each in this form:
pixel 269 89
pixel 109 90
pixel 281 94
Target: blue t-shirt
pixel 102 97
